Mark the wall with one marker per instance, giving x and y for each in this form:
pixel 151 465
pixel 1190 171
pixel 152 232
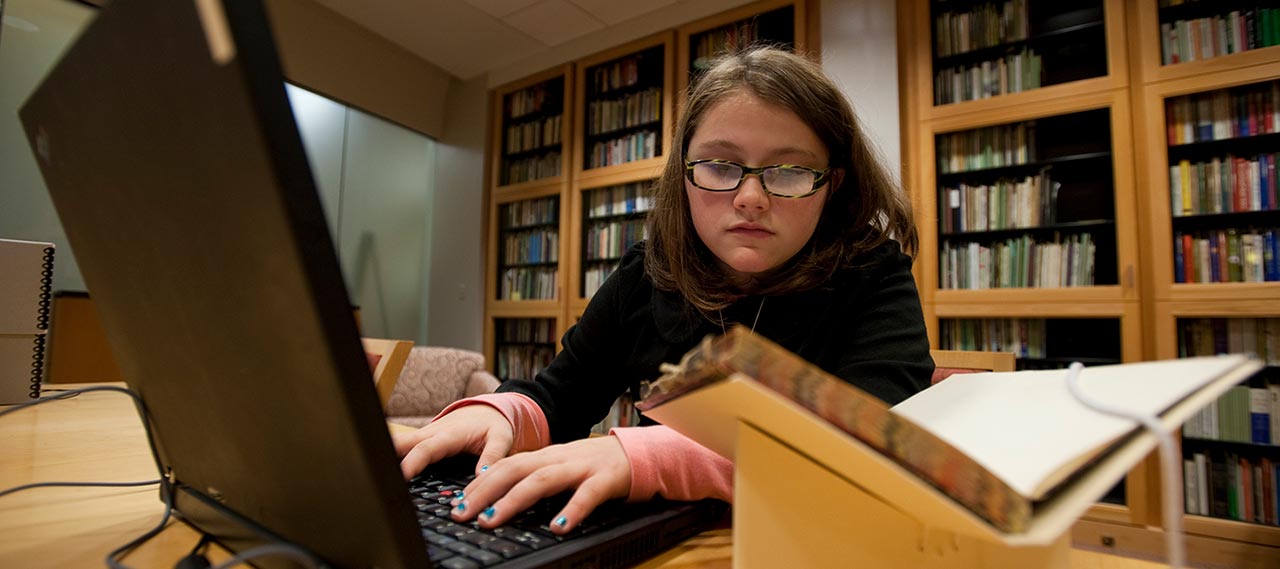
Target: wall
pixel 456 301
pixel 34 35
pixel 326 53
pixel 859 51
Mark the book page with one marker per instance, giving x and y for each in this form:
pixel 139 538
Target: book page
pixel 1026 427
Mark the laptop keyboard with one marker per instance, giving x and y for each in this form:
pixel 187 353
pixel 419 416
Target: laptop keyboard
pixel 454 545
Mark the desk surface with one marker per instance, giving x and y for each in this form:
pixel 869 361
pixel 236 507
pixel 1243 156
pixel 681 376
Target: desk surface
pixel 97 437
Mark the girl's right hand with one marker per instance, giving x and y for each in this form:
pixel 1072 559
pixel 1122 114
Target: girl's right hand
pixel 476 429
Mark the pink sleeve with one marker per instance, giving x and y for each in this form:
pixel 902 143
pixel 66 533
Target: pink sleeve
pixel 527 420
pixel 668 464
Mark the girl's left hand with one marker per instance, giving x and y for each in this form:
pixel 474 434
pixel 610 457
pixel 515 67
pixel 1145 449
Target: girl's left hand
pixel 597 467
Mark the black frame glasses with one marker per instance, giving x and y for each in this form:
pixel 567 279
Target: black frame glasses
pixel 819 176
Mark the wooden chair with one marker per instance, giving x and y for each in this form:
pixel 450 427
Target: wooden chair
pixel 949 362
pixel 386 359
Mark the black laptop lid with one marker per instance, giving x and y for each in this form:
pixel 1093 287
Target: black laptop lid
pixel 184 190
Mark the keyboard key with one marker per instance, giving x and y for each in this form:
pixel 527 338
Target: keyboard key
pixel 436 553
pixel 506 548
pixel 459 563
pixel 485 558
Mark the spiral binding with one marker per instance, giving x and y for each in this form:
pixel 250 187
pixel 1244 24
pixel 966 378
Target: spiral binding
pixel 42 322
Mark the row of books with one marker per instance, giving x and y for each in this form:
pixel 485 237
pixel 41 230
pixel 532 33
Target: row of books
pixel 529 169
pixel 1227 256
pixel 534 246
pixel 1218 35
pixel 533 135
pixel 1024 337
pixel 526 331
pixel 1006 204
pixel 621 414
pixel 1018 262
pixel 631 110
pixel 1229 184
pixel 594 276
pixel 1014 73
pixel 987 147
pixel 540 211
pixel 619 200
pixel 533 99
pixel 609 240
pixel 1223 115
pixel 522 362
pixel 1232 487
pixel 528 283
pixel 1210 336
pixel 615 75
pixel 637 146
pixel 985 25
pixel 725 39
pixel 1243 414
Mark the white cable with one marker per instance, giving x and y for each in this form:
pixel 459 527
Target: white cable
pixel 1170 470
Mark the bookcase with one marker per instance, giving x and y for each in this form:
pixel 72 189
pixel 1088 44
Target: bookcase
pixel 783 23
pixel 529 173
pixel 1164 192
pixel 1019 154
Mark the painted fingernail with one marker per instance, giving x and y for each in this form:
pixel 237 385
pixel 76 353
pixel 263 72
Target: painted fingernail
pixel 562 521
pixel 460 507
pixel 488 513
pixel 484 468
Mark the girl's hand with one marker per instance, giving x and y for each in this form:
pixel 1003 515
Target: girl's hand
pixel 597 467
pixel 474 429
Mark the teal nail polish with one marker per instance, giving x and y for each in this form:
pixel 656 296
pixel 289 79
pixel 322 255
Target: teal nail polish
pixel 461 507
pixel 562 521
pixel 484 468
pixel 488 512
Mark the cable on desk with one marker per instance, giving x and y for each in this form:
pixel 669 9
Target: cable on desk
pixel 64 484
pixel 165 490
pixel 1169 467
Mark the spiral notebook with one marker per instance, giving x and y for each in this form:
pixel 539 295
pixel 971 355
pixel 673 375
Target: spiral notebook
pixel 24 317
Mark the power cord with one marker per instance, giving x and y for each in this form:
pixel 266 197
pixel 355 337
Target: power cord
pixel 1169 467
pixel 194 560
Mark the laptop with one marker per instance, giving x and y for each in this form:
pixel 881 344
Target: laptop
pixel 171 155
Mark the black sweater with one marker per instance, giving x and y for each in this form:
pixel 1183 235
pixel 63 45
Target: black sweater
pixel 864 326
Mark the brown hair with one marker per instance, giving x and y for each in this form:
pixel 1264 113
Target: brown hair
pixel 863 212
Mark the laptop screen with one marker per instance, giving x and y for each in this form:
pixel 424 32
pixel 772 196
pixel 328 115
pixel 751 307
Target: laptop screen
pixel 171 155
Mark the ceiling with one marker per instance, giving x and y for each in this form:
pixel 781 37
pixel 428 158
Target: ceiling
pixel 480 36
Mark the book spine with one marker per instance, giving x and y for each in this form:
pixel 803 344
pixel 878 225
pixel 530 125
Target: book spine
pixel 1260 415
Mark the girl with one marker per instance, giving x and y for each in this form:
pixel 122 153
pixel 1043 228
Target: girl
pixel 772 212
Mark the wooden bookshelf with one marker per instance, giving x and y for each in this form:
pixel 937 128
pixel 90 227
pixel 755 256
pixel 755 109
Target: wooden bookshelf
pixel 530 119
pixel 624 99
pixel 1080 110
pixel 1144 295
pixel 788 23
pixel 607 220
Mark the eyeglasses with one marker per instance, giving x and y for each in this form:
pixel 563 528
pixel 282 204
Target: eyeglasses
pixel 782 180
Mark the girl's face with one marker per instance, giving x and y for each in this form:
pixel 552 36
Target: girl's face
pixel 747 229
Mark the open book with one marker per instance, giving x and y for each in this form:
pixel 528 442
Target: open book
pixel 996 443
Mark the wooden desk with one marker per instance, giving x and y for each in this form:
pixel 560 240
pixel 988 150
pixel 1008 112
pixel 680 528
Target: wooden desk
pixel 97 437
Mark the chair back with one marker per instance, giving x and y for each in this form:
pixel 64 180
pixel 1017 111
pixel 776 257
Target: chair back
pixel 386 359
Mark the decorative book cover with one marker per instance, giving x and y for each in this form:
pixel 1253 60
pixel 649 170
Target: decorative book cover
pixel 1007 446
pixel 850 409
pixel 25 287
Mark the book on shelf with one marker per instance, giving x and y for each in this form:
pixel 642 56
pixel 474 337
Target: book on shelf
pixel 1236 31
pixel 1007 446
